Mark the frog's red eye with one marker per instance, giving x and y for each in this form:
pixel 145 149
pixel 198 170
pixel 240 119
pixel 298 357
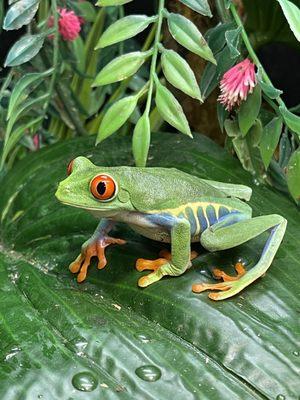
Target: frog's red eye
pixel 70 167
pixel 103 187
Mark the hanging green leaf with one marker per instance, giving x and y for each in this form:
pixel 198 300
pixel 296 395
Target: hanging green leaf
pixel 23 87
pixel 187 34
pixel 293 176
pixel 107 3
pixel 292 14
pixel 116 116
pixel 86 10
pixel 233 39
pixel 200 6
pixel 20 13
pixel 292 120
pixel 269 140
pixel 24 49
pixel 121 68
pixel 269 90
pixel 141 141
pixel 179 73
pixel 170 109
pixel 249 110
pixel 124 28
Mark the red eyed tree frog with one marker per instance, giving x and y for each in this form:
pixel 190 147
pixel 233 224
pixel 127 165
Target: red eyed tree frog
pixel 170 206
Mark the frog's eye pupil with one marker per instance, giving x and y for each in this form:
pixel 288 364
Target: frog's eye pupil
pixel 103 187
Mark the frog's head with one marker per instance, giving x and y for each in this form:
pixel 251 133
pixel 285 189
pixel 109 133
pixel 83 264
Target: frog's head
pixel 95 189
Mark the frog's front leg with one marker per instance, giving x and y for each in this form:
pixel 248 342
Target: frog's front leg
pixel 180 232
pixel 221 237
pixel 94 247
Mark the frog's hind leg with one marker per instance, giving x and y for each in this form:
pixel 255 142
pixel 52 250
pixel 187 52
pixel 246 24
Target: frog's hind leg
pixel 221 237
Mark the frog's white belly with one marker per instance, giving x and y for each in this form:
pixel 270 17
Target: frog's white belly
pixel 154 233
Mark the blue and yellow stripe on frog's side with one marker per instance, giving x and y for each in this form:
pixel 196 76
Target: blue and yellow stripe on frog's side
pixel 200 215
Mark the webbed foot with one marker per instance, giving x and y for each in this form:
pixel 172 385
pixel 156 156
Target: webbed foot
pixel 92 248
pixel 229 287
pixel 161 267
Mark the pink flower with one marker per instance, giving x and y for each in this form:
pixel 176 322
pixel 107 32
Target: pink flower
pixel 69 24
pixel 236 83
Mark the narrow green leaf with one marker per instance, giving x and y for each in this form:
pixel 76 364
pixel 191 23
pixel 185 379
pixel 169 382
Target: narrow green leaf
pixel 249 110
pixel 170 109
pixel 116 116
pixel 23 87
pixel 269 90
pixel 107 3
pixel 187 34
pixel 20 13
pixel 292 14
pixel 293 176
pixel 141 141
pixel 232 39
pixel 200 6
pixel 24 49
pixel 86 11
pixel 179 73
pixel 121 68
pixel 17 135
pixel 292 120
pixel 269 140
pixel 124 28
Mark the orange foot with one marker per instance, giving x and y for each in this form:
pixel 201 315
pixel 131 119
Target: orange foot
pixel 143 264
pixel 92 248
pixel 229 282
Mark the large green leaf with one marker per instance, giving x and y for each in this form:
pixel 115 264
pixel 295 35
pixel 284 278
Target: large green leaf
pixel 53 329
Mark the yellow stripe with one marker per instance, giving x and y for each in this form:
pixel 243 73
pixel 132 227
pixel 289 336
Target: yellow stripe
pixel 194 206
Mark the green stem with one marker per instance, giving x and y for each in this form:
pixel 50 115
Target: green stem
pixel 161 5
pixel 55 53
pixel 251 51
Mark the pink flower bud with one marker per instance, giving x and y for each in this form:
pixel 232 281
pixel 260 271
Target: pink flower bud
pixel 236 83
pixel 69 24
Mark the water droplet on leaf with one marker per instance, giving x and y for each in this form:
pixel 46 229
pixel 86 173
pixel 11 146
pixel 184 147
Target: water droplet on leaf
pixel 143 338
pixel 149 373
pixel 280 397
pixel 84 381
pixel 296 353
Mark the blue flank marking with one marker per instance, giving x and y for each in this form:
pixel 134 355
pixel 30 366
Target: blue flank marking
pixel 202 219
pixel 223 211
pixel 163 219
pixel 192 220
pixel 269 239
pixel 211 215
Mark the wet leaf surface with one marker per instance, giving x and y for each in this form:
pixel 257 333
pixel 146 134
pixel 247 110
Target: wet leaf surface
pixel 109 339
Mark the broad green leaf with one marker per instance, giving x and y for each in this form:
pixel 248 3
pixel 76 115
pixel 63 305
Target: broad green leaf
pixel 216 36
pixel 269 140
pixel 141 141
pixel 292 14
pixel 121 68
pixel 179 73
pixel 293 176
pixel 24 87
pixel 24 49
pixel 107 3
pixel 200 6
pixel 116 116
pixel 170 109
pixel 232 39
pixel 187 34
pixel 124 28
pixel 292 120
pixel 269 90
pixel 53 328
pixel 249 110
pixel 20 13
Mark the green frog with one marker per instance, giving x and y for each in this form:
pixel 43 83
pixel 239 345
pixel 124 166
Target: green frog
pixel 170 206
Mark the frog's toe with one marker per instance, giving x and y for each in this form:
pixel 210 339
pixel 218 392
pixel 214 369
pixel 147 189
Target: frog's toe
pixel 75 265
pixel 147 280
pixel 152 265
pixel 240 269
